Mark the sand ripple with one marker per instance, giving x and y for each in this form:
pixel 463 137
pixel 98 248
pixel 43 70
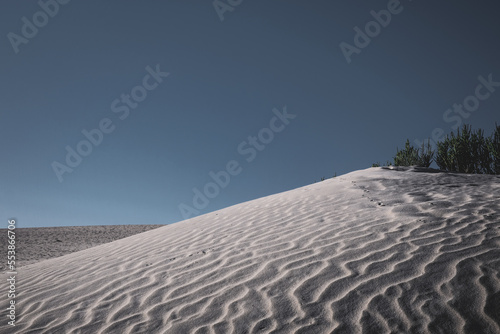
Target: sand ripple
pixel 373 251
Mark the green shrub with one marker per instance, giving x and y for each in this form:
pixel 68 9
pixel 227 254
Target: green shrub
pixel 444 159
pixel 411 156
pixel 465 152
pixel 426 155
pixel 494 148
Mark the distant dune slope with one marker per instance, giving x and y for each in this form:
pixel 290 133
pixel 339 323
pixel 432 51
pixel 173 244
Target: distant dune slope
pixel 41 243
pixel 372 251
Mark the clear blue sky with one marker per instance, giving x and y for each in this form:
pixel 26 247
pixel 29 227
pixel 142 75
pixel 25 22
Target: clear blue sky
pixel 225 78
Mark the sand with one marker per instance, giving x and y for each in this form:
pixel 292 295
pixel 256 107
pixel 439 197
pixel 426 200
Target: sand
pixel 42 243
pixel 372 251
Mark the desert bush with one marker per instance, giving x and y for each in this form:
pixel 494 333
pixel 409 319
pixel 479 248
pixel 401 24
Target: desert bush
pixel 465 152
pixel 426 155
pixel 444 159
pixel 411 156
pixel 494 148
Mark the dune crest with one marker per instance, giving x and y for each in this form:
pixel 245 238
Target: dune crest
pixel 372 251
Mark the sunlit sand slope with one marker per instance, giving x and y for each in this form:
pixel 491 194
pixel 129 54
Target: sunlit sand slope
pixel 373 251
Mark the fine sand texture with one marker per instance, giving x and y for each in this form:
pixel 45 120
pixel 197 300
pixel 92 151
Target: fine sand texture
pixel 372 251
pixel 41 243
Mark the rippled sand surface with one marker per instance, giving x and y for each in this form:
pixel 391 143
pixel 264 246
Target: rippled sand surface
pixel 372 251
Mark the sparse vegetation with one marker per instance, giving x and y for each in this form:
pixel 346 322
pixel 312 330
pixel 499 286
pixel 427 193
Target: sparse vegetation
pixel 465 151
pixel 411 156
pixel 494 148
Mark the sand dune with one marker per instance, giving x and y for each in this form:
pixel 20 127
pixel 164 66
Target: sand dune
pixel 372 251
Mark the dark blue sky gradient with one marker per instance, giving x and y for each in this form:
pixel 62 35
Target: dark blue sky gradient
pixel 225 79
